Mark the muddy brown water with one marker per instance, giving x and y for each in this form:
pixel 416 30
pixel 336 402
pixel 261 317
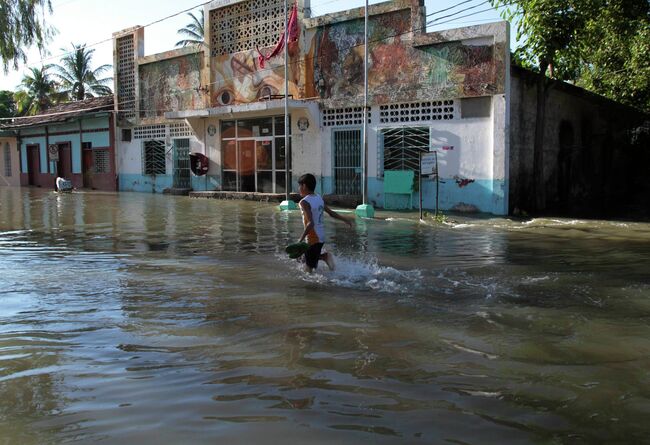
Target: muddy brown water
pixel 149 319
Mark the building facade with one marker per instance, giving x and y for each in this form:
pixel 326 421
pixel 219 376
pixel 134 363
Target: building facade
pixel 9 160
pixel 73 140
pixel 427 91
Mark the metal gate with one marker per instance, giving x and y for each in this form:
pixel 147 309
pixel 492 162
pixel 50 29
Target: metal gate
pixel 181 163
pixel 347 162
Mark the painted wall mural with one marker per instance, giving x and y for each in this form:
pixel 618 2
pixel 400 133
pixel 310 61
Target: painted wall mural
pixel 170 85
pixel 239 79
pixel 399 71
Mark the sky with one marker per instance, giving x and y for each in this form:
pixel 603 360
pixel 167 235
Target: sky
pixel 93 22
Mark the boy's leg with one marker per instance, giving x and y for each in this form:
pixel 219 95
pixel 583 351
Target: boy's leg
pixel 329 259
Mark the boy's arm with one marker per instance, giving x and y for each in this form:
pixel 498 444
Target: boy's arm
pixel 335 215
pixel 306 210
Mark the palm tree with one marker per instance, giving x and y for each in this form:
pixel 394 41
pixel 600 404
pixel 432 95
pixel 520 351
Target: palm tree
pixel 37 92
pixel 194 31
pixel 77 78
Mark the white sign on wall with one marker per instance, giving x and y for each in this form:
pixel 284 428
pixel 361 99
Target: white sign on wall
pixel 53 151
pixel 428 165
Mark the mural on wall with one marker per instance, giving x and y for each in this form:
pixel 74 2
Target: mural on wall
pixel 170 85
pixel 398 71
pixel 239 79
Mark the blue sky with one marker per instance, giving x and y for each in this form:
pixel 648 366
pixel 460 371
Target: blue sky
pixel 94 21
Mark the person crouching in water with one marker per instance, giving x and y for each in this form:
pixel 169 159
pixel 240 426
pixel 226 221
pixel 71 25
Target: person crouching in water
pixel 312 207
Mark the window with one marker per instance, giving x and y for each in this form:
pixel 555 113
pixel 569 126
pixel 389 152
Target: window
pixel 402 147
pixel 86 145
pixel 475 107
pixel 126 135
pixel 7 157
pixel 153 157
pixel 101 162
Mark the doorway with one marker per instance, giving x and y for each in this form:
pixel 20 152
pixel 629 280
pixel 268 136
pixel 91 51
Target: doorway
pixel 347 162
pixel 64 164
pixel 181 179
pixel 33 163
pixel 254 155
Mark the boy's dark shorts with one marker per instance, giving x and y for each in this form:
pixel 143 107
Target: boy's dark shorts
pixel 313 254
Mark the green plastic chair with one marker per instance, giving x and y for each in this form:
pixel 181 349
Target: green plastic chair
pixel 399 182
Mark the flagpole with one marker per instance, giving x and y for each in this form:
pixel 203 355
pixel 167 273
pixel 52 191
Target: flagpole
pixel 365 209
pixel 287 204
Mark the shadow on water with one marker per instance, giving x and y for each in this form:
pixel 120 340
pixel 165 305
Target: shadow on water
pixel 133 318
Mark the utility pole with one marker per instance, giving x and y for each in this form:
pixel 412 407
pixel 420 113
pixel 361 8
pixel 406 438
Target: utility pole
pixel 287 204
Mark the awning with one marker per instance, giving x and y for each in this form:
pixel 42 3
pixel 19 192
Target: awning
pixel 275 105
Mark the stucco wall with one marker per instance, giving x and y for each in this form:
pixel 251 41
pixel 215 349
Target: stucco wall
pixel 592 163
pixel 12 180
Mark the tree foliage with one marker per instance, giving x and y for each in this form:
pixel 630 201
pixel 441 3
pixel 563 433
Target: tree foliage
pixel 7 104
pixel 76 77
pixel 602 45
pixel 22 24
pixel 193 32
pixel 37 92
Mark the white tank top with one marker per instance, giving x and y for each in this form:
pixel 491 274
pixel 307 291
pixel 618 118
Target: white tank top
pixel 317 234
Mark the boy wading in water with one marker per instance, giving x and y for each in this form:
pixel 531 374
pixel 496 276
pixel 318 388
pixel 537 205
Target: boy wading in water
pixel 312 207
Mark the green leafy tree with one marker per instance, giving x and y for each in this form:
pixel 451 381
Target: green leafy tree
pixel 22 24
pixel 7 104
pixel 193 33
pixel 37 92
pixel 616 52
pixel 76 77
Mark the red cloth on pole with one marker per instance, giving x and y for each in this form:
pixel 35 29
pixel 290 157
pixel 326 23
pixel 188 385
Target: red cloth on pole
pixel 293 36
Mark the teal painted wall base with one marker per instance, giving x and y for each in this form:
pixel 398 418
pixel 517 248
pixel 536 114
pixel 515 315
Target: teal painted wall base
pixel 144 183
pixel 482 195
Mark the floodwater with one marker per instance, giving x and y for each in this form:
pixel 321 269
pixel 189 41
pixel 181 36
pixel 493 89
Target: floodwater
pixel 149 319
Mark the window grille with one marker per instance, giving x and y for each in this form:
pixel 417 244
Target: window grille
pixel 344 116
pixel 417 111
pixel 150 132
pixel 401 147
pixel 101 161
pixel 245 26
pixel 126 76
pixel 180 130
pixel 153 157
pixel 7 156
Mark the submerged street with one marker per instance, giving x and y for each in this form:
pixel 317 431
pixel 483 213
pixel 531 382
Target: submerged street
pixel 150 319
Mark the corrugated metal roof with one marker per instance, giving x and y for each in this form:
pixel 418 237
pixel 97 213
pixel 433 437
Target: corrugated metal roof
pixel 62 113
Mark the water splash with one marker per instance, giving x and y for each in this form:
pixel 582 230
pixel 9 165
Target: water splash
pixel 364 273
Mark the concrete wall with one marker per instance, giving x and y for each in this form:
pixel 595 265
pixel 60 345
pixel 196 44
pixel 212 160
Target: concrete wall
pixel 13 166
pixel 593 162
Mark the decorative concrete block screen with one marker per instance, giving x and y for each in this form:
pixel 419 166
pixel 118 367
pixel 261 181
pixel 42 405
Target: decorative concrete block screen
pixel 245 26
pixel 180 130
pixel 417 111
pixel 340 117
pixel 126 76
pixel 150 132
pixel 101 161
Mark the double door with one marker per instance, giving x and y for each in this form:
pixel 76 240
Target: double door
pixel 254 165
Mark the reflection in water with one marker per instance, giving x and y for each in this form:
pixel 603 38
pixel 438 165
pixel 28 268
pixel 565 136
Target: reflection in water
pixel 136 318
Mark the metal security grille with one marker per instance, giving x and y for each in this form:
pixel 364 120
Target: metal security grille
pixel 347 162
pixel 153 158
pixel 126 76
pixel 337 117
pixel 245 26
pixel 402 147
pixel 7 158
pixel 101 162
pixel 182 163
pixel 417 111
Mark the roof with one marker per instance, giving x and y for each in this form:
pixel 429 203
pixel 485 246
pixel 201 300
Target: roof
pixel 62 113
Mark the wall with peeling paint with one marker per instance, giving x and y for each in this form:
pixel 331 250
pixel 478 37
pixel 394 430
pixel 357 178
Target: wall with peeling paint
pixel 168 84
